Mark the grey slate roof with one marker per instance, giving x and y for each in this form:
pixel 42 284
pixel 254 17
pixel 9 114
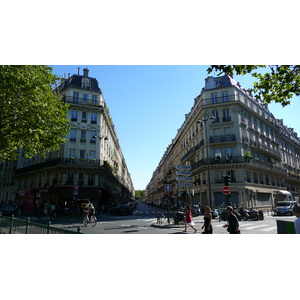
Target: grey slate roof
pixel 75 81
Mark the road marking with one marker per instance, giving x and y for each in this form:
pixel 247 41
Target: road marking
pixel 269 229
pixel 253 227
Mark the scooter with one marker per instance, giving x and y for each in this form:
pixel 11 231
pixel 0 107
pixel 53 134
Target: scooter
pixel 178 218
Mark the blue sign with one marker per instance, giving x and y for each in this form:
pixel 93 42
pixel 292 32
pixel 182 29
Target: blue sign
pixel 168 187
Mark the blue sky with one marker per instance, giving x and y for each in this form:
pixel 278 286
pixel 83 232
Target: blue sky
pixel 148 104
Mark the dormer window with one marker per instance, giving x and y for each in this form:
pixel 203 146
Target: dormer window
pixel 85 83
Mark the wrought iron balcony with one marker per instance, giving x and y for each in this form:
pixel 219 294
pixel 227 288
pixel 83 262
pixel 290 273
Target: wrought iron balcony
pixel 222 138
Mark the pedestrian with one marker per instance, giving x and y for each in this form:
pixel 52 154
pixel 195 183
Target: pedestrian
pixel 189 218
pixel 207 221
pixel 46 209
pixel 233 226
pixel 296 212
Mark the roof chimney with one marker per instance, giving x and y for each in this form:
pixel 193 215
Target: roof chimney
pixel 78 71
pixel 86 72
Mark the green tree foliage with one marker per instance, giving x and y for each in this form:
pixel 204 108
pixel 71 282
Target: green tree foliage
pixel 31 115
pixel 140 194
pixel 278 84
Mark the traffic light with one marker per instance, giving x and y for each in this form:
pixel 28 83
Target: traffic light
pixel 227 180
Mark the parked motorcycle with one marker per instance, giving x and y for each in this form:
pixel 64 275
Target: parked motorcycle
pixel 248 214
pixel 178 218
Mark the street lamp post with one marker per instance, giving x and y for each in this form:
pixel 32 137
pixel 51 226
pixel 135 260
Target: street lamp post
pixel 200 121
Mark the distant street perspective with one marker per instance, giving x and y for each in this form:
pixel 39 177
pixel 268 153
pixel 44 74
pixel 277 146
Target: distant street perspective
pixel 231 166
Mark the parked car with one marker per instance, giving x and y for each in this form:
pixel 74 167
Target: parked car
pixel 8 210
pixel 284 208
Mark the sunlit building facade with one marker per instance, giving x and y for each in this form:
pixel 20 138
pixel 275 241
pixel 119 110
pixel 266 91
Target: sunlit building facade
pixel 244 140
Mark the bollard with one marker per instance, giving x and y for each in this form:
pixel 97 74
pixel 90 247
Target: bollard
pixel 27 225
pixel 11 224
pixel 78 229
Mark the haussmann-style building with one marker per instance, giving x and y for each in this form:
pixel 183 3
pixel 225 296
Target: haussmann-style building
pixel 229 133
pixel 89 166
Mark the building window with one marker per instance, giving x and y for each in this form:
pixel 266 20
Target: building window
pixel 214 99
pixel 92 138
pixel 219 178
pixel 83 117
pixel 226 117
pixel 81 154
pixel 93 118
pixel 225 97
pixel 85 96
pixel 73 135
pixel 94 99
pixel 72 153
pixel 216 115
pixel 218 154
pixel 85 83
pixel 92 155
pixel 74 115
pixel 80 179
pixel 229 153
pixel 82 136
pixel 75 97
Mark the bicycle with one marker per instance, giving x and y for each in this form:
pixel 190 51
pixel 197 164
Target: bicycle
pixel 92 219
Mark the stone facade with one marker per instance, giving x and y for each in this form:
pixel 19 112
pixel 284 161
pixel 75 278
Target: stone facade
pixel 245 141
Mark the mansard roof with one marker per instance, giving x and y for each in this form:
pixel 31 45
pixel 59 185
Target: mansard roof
pixel 75 81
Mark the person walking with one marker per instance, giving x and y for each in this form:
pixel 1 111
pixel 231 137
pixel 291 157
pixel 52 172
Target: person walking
pixel 296 212
pixel 233 226
pixel 189 218
pixel 207 221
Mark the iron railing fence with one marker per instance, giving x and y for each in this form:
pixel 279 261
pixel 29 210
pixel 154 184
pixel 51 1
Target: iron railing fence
pixel 12 225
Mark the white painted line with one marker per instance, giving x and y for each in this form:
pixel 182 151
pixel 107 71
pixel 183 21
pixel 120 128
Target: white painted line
pixel 253 227
pixel 269 229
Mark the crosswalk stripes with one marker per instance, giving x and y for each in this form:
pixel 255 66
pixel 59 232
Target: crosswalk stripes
pixel 264 227
pixel 137 212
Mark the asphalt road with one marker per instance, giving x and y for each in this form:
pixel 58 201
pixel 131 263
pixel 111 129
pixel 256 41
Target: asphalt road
pixel 144 216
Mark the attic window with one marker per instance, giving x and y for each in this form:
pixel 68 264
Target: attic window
pixel 85 83
pixel 218 83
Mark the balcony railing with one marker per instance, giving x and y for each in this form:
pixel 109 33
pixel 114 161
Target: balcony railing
pixel 222 138
pixel 238 160
pixel 62 161
pixel 82 101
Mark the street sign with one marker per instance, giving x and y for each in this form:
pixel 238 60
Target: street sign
pixel 75 192
pixel 226 190
pixel 183 167
pixel 76 187
pixel 168 187
pixel 183 173
pixel 188 179
pixel 185 184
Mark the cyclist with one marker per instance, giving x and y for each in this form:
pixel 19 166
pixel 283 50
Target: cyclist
pixel 89 210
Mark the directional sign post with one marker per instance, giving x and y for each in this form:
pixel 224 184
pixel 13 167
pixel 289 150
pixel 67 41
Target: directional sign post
pixel 188 179
pixel 183 167
pixel 185 173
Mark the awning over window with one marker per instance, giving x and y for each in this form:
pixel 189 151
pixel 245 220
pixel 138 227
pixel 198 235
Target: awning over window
pixel 283 192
